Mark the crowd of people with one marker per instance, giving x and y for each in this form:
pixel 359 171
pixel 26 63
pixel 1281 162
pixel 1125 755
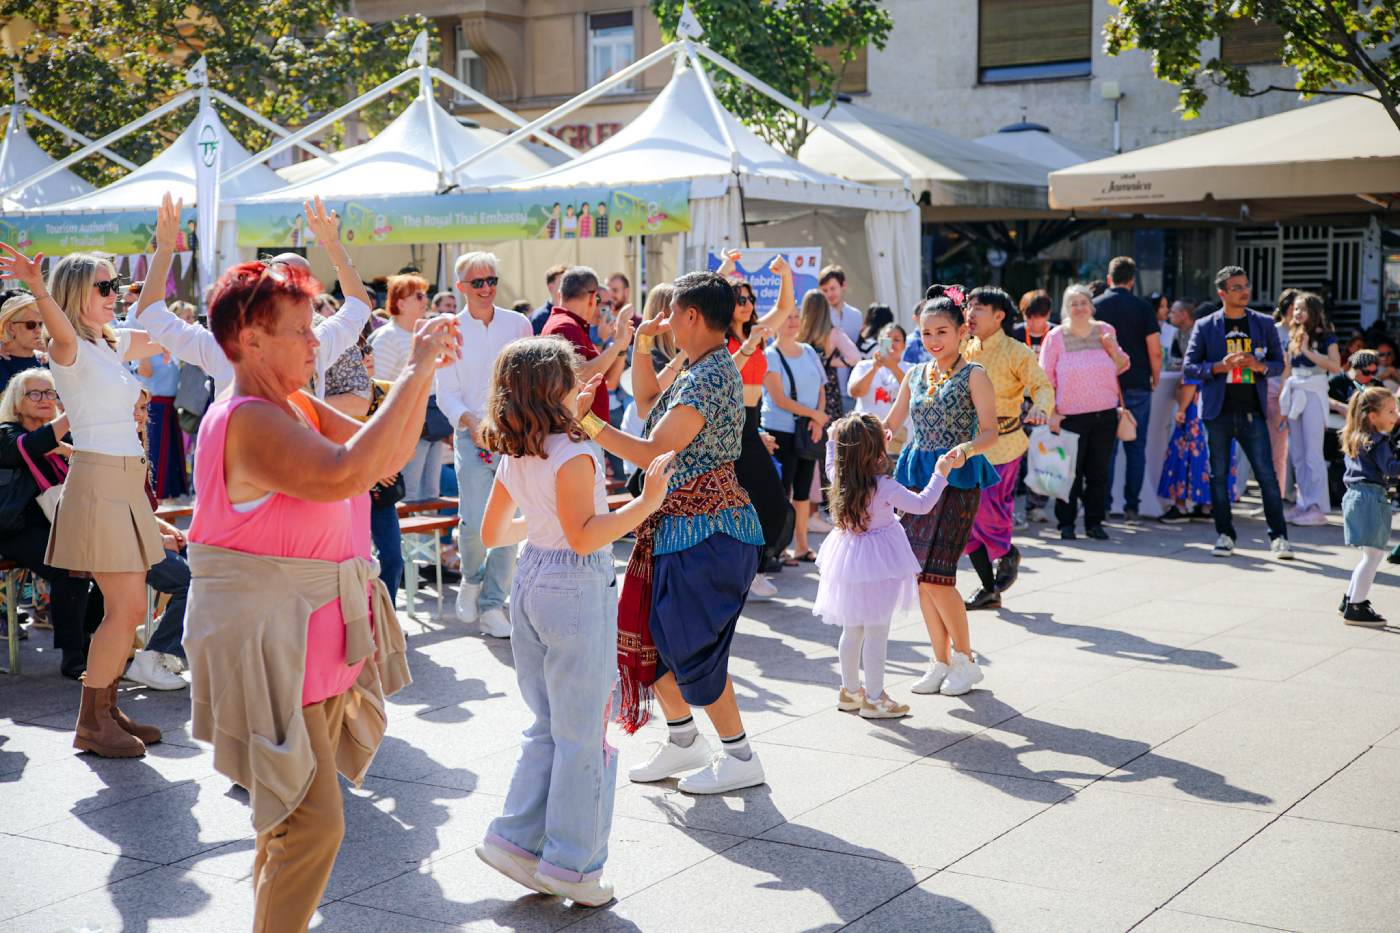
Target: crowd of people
pixel 740 432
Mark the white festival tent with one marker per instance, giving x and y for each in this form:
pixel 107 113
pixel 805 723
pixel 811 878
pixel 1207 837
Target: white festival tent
pixel 1035 143
pixel 736 179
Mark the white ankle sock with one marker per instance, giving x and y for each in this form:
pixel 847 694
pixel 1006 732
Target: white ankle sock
pixel 683 731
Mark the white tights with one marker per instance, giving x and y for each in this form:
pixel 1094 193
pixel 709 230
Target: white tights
pixel 1364 574
pixel 864 645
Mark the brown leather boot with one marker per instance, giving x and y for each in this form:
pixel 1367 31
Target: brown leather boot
pixel 98 732
pixel 149 735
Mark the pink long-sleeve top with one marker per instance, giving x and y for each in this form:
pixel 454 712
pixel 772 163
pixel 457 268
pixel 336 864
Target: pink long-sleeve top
pixel 891 496
pixel 1085 377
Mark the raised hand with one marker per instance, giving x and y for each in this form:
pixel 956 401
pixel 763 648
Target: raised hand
pixel 757 337
pixel 779 266
pixel 168 223
pixel 324 226
pixel 15 265
pixel 623 335
pixel 730 263
pixel 436 342
pixel 660 324
pixel 658 478
pixel 583 402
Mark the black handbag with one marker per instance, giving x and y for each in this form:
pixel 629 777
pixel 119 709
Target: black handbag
pixel 436 427
pixel 17 490
pixel 802 444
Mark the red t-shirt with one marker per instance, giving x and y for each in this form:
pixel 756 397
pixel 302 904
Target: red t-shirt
pixel 564 323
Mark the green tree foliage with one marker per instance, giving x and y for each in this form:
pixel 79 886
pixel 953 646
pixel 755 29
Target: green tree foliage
pixel 1335 46
pixel 780 43
pixel 95 65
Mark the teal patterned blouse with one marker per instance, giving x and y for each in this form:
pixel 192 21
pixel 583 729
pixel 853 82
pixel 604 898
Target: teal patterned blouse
pixel 713 388
pixel 941 419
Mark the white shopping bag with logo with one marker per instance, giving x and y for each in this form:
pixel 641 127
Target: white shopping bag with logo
pixel 1050 462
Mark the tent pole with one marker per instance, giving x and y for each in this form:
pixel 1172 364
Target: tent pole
pixel 515 119
pixel 174 103
pixel 315 127
pixel 77 137
pixel 718 112
pixel 568 107
pixel 797 108
pixel 265 123
pixel 425 91
pixel 16 114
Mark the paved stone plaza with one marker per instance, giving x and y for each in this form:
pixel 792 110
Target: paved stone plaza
pixel 1167 741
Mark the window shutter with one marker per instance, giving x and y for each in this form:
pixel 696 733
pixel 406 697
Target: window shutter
pixel 1033 32
pixel 1246 42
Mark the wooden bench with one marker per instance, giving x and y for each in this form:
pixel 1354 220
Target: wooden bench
pixel 426 505
pixel 172 512
pixel 12 574
pixel 415 527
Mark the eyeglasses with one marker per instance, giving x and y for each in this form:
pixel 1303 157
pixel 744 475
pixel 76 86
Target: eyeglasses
pixel 28 325
pixel 1237 288
pixel 107 286
pixel 1369 370
pixel 38 395
pixel 487 282
pixel 742 300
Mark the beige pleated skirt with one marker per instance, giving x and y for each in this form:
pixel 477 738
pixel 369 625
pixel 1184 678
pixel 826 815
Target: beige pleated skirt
pixel 104 522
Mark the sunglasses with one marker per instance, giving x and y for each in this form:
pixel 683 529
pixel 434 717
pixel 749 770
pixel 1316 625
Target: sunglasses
pixel 107 286
pixel 743 300
pixel 487 282
pixel 28 325
pixel 38 395
pixel 1369 370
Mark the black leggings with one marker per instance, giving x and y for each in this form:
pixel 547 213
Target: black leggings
pixel 761 481
pixel 797 474
pixel 68 595
pixel 1098 431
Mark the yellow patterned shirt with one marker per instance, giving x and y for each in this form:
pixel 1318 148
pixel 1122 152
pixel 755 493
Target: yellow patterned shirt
pixel 1015 373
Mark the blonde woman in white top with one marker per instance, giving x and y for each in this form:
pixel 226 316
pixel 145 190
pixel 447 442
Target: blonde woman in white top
pixel 104 524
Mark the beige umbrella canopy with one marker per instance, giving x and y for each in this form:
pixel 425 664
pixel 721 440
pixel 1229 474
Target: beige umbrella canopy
pixel 1338 157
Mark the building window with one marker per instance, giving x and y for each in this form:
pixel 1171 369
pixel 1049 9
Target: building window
pixel 1249 43
pixel 1034 40
pixel 611 47
pixel 469 68
pixel 854 74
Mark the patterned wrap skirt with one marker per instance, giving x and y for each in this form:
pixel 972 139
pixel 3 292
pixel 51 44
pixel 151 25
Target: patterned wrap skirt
pixel 939 538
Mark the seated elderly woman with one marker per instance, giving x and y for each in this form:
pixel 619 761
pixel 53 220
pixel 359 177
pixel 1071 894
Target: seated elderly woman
pixel 31 433
pixel 288 676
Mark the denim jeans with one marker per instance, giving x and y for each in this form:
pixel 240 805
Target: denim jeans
pixel 388 546
pixel 564 640
pixel 1139 403
pixel 1251 432
pixel 171 576
pixel 489 569
pixel 422 476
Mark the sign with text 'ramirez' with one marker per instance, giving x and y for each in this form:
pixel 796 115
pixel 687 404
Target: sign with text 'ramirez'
pixel 546 214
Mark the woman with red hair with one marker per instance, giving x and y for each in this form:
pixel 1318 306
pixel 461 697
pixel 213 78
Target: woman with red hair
pixel 407 304
pixel 292 644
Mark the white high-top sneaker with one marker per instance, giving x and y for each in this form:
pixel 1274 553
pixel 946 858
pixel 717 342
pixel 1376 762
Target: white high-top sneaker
pixel 467 594
pixel 961 678
pixel 932 680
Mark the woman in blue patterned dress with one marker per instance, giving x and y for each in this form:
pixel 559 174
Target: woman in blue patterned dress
pixel 1186 467
pixel 953 409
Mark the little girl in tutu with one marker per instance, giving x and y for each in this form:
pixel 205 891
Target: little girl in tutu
pixel 867 566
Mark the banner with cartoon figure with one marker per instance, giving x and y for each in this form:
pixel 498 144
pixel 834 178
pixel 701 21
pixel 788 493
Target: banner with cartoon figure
pixel 121 233
pixel 547 214
pixel 805 261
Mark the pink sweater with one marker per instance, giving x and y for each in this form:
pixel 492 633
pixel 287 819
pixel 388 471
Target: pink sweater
pixel 1085 377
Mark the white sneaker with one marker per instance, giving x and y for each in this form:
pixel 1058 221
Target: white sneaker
pixel 932 679
pixel 1224 546
pixel 1313 517
pixel 592 893
pixel 173 663
pixel 1038 516
pixel 1281 549
pixel 467 594
pixel 517 868
pixel 495 622
pixel 818 525
pixel 147 669
pixel 884 707
pixel 762 588
pixel 671 759
pixel 964 674
pixel 723 774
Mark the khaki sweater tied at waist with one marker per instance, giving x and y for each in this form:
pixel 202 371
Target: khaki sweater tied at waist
pixel 245 637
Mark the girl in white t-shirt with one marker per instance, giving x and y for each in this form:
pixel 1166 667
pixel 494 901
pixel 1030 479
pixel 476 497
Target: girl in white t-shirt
pixel 875 381
pixel 553 835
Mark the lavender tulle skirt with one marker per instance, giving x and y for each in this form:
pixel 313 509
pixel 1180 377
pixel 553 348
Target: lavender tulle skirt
pixel 866 578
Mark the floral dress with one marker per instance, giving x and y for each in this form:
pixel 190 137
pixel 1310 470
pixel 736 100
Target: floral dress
pixel 1186 469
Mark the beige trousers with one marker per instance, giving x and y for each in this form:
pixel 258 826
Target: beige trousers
pixel 293 860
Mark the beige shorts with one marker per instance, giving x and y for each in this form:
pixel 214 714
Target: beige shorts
pixel 104 522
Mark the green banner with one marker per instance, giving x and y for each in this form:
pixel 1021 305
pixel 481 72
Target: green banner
pixel 547 214
pixel 120 233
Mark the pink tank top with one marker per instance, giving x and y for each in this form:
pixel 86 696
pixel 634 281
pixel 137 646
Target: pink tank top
pixel 282 526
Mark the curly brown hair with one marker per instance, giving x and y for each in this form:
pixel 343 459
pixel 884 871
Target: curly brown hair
pixel 861 459
pixel 529 397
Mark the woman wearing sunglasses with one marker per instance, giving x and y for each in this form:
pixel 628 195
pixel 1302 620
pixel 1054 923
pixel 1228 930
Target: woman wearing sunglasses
pixel 21 337
pixel 104 524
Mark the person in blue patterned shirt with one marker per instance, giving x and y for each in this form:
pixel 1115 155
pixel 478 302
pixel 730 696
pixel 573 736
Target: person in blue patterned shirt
pixel 694 559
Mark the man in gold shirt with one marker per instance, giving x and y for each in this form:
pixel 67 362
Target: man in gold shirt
pixel 1015 373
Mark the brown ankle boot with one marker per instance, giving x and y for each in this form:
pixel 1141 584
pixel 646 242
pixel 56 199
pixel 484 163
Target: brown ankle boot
pixel 149 735
pixel 98 732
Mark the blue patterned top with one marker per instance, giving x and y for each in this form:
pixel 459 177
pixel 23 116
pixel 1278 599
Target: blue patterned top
pixel 942 418
pixel 713 388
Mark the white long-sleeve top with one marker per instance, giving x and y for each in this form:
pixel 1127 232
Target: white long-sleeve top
pixel 462 387
pixel 392 345
pixel 195 344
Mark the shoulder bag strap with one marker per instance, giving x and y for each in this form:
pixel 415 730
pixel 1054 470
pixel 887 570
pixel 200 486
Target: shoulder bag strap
pixel 38 475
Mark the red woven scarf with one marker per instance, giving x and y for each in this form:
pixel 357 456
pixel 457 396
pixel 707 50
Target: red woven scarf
pixel 707 494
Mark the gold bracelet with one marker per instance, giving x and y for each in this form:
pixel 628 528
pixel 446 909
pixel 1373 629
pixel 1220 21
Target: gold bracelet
pixel 966 448
pixel 592 425
pixel 644 342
